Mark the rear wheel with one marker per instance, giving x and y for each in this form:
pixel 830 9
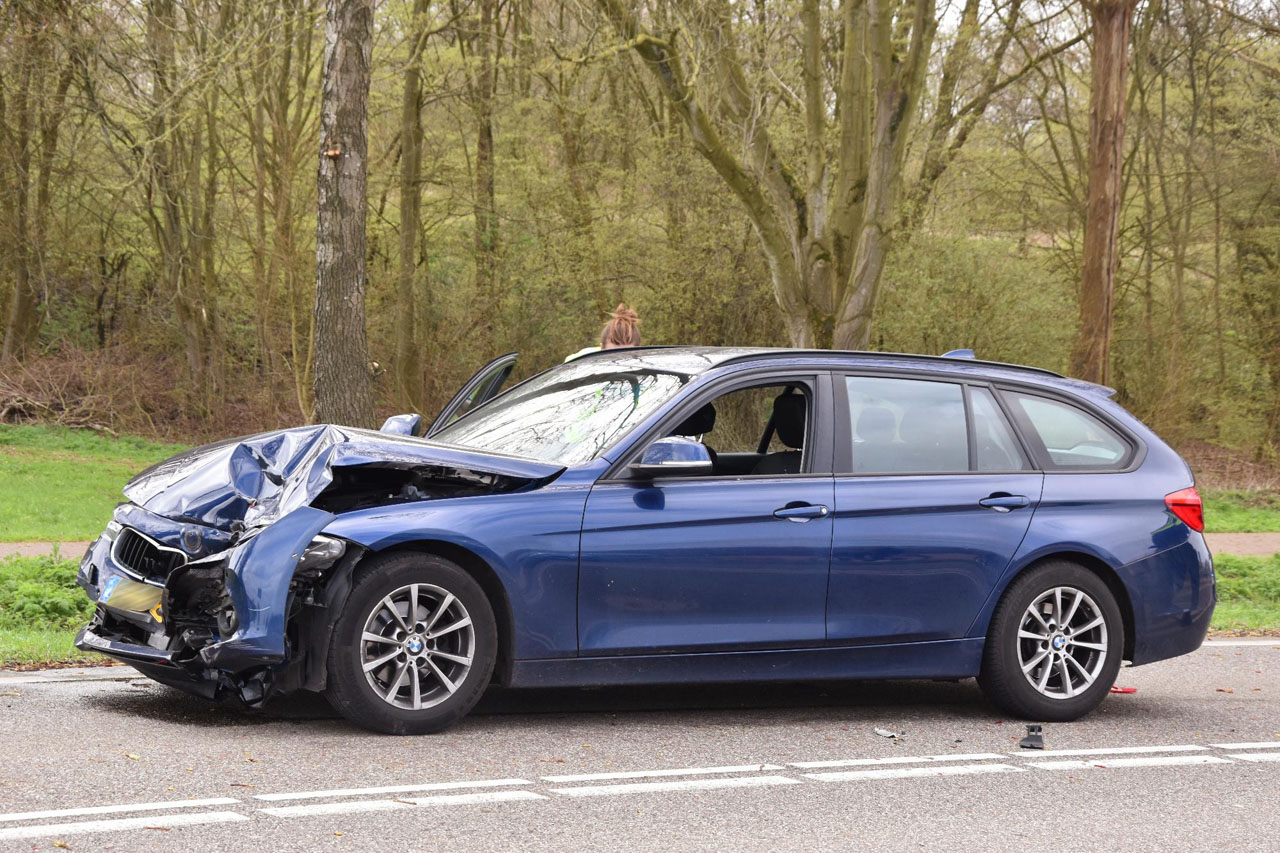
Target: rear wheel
pixel 1054 646
pixel 414 648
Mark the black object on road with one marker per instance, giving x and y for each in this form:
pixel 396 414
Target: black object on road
pixel 1034 738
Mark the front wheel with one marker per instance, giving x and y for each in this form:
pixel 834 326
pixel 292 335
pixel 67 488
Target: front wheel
pixel 414 647
pixel 1054 646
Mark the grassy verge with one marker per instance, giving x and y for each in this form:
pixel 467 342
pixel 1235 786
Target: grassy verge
pixel 1242 512
pixel 41 608
pixel 1248 593
pixel 60 485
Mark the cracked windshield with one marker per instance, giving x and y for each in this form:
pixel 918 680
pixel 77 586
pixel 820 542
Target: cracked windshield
pixel 568 415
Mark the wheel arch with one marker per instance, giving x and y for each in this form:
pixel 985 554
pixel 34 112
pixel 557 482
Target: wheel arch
pixel 1105 572
pixel 483 573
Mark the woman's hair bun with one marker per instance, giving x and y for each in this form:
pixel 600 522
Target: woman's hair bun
pixel 623 328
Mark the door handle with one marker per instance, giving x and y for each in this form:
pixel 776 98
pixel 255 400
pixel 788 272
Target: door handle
pixel 801 512
pixel 1004 502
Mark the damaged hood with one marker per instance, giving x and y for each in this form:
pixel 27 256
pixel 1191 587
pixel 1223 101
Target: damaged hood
pixel 257 479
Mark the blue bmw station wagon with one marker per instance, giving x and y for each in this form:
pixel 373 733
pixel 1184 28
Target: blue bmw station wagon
pixel 668 515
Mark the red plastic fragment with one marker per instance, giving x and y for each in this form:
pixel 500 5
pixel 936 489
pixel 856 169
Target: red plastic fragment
pixel 1115 689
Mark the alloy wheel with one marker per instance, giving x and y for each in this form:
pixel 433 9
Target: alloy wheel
pixel 417 646
pixel 1062 642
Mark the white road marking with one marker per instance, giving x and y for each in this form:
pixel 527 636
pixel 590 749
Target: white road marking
pixel 469 799
pixel 648 774
pixel 897 759
pixel 1266 744
pixel 1116 763
pixel 1119 750
pixel 1256 756
pixel 392 789
pixel 388 805
pixel 682 785
pixel 914 772
pixel 80 827
pixel 131 807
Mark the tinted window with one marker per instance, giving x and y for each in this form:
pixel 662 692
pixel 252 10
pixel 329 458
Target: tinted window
pixel 1072 437
pixel 994 443
pixel 903 426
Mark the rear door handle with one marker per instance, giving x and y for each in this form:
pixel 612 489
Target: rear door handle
pixel 1002 502
pixel 800 513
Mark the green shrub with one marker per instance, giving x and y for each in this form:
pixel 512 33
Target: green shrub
pixel 41 592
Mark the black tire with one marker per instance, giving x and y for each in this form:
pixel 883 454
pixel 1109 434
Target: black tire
pixel 1002 678
pixel 353 694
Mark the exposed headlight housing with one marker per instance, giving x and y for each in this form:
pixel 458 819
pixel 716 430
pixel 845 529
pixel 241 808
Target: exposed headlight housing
pixel 323 551
pixel 112 531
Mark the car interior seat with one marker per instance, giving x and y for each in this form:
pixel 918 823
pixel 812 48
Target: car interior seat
pixel 699 424
pixel 789 414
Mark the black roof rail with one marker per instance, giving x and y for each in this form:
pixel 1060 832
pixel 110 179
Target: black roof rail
pixel 748 353
pixel 910 356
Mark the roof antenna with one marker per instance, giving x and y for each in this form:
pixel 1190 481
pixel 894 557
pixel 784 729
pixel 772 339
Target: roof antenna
pixel 959 353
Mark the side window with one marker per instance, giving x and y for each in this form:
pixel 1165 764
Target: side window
pixel 1072 437
pixel 757 430
pixel 995 447
pixel 903 426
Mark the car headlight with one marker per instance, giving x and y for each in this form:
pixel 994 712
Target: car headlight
pixel 323 551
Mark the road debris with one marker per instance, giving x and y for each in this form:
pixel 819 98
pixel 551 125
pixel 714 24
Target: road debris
pixel 889 734
pixel 1125 690
pixel 1226 690
pixel 1034 738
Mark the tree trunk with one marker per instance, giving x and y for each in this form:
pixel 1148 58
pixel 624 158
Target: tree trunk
pixel 825 229
pixel 22 312
pixel 486 228
pixel 343 392
pixel 1090 355
pixel 408 358
pixel 39 118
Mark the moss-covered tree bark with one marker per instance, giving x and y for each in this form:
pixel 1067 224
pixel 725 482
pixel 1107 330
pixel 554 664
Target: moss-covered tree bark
pixel 342 376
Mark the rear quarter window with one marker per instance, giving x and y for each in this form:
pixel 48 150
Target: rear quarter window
pixel 1071 437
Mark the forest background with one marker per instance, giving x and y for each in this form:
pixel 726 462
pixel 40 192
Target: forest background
pixel 530 165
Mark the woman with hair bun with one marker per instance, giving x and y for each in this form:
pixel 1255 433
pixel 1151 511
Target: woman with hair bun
pixel 622 330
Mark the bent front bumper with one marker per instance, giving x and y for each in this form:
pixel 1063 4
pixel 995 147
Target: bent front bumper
pixel 155 664
pixel 215 624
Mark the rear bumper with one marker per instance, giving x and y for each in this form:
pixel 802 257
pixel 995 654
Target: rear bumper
pixel 1174 593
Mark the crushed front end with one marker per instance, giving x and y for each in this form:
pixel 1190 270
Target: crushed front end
pixel 216 577
pixel 215 613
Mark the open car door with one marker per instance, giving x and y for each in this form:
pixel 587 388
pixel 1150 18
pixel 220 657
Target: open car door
pixel 478 390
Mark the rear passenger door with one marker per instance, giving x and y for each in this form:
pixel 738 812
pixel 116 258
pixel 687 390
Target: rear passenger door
pixel 933 494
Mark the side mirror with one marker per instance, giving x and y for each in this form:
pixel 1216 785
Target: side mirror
pixel 402 425
pixel 673 456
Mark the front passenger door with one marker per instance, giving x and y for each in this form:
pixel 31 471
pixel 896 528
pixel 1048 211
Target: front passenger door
pixel 713 563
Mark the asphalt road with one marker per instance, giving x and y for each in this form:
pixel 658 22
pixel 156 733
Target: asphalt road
pixel 1179 764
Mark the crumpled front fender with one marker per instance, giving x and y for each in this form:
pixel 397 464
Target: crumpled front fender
pixel 258 576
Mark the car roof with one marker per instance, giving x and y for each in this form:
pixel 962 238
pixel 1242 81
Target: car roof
pixel 694 360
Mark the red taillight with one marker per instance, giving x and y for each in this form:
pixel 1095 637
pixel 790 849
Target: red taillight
pixel 1187 506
